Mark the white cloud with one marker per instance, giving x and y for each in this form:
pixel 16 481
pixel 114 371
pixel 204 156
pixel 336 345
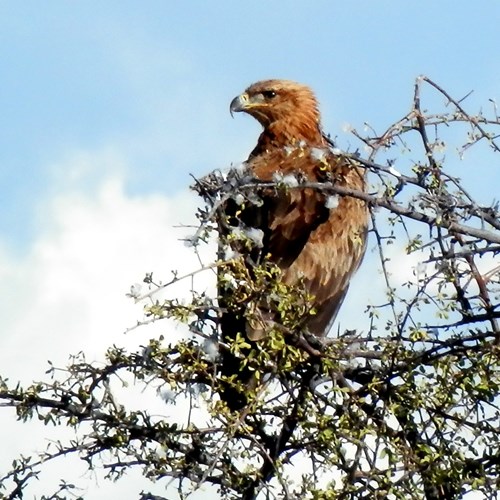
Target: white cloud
pixel 68 292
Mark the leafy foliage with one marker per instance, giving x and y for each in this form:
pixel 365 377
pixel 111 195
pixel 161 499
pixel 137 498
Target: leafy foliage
pixel 408 408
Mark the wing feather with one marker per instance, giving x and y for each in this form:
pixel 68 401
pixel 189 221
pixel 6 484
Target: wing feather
pixel 311 243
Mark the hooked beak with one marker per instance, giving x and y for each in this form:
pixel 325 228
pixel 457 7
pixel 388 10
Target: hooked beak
pixel 239 103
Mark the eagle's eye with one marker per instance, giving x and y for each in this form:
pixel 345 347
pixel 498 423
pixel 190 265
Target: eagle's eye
pixel 269 94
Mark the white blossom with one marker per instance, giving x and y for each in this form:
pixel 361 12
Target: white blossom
pixel 277 176
pixel 290 180
pixel 237 233
pixel 230 254
pixel 135 290
pixel 420 270
pixel 195 390
pixel 211 349
pixel 332 201
pixel 168 395
pixel 241 168
pixel 255 236
pixel 318 154
pixel 239 199
pixel 229 279
pixel 439 146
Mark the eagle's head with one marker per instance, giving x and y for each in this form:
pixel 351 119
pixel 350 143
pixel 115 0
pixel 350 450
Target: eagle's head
pixel 283 108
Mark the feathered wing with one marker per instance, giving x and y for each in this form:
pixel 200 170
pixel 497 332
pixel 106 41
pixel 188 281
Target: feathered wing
pixel 314 238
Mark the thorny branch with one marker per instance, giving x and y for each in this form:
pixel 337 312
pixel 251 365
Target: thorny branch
pixel 407 407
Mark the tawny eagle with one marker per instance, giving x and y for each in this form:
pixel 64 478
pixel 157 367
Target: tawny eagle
pixel 316 239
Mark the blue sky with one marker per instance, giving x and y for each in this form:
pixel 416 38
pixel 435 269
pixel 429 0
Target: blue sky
pixel 152 80
pixel 107 107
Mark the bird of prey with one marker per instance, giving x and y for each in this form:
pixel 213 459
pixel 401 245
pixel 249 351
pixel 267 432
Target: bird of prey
pixel 316 239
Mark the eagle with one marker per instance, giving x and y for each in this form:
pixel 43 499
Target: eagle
pixel 317 240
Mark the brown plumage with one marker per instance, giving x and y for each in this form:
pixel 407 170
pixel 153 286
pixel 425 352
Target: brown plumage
pixel 313 238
